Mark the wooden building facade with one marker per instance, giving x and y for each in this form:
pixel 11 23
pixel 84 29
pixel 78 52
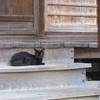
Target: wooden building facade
pixel 69 32
pixel 72 18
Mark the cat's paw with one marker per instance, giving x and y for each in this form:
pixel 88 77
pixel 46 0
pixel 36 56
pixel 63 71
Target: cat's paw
pixel 42 63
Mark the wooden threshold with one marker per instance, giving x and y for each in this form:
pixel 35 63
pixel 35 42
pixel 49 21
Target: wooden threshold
pixel 48 41
pixel 49 38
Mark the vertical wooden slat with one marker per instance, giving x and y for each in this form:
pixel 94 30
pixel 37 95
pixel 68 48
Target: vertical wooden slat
pixel 46 15
pixel 98 2
pixel 39 17
pixel 36 16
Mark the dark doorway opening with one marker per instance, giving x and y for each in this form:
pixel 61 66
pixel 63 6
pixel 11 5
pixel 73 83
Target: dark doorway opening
pixel 92 73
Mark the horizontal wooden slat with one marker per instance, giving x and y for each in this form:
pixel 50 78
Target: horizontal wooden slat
pixel 56 9
pixel 73 15
pixel 74 1
pixel 72 4
pixel 49 44
pixel 50 38
pixel 16 27
pixel 72 38
pixel 16 32
pixel 74 25
pixel 18 18
pixel 69 20
pixel 72 28
pixel 81 53
pixel 71 33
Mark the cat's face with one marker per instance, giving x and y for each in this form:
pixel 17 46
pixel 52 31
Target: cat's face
pixel 39 53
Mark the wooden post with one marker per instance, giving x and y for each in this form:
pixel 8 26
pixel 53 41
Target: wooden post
pixel 98 21
pixel 39 17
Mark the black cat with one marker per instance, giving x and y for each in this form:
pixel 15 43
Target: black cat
pixel 25 58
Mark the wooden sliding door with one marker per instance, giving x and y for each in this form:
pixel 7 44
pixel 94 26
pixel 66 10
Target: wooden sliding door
pixel 16 16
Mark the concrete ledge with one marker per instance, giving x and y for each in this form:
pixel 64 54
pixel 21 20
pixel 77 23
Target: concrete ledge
pixel 93 45
pixel 47 44
pixel 4 68
pixel 19 44
pixel 76 44
pixel 52 94
pixel 52 45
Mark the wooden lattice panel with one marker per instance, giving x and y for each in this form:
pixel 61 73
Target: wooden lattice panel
pixel 71 15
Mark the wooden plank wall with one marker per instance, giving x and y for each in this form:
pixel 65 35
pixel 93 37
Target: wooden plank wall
pixel 57 16
pixel 16 16
pixel 71 15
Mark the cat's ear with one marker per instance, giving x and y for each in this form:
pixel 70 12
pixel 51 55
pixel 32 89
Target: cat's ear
pixel 35 50
pixel 42 49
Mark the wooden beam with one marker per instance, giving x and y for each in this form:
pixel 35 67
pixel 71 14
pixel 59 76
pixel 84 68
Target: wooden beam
pixel 87 53
pixel 16 18
pixel 36 16
pixel 72 4
pixel 39 17
pixel 72 15
pixel 98 21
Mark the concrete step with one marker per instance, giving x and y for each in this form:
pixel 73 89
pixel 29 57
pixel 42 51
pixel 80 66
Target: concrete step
pixel 59 79
pixel 5 68
pixel 79 93
pixel 42 77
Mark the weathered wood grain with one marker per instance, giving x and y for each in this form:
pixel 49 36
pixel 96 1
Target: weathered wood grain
pixel 47 38
pixel 61 14
pixel 16 7
pixel 41 80
pixel 51 56
pixel 16 18
pixel 72 28
pixel 39 22
pixel 89 2
pixel 36 16
pixel 52 94
pixel 72 15
pixel 5 68
pixel 16 28
pixel 87 53
pixel 13 14
pixel 71 4
pixel 84 98
pixel 52 45
pixel 76 44
pixel 98 22
pixel 61 55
